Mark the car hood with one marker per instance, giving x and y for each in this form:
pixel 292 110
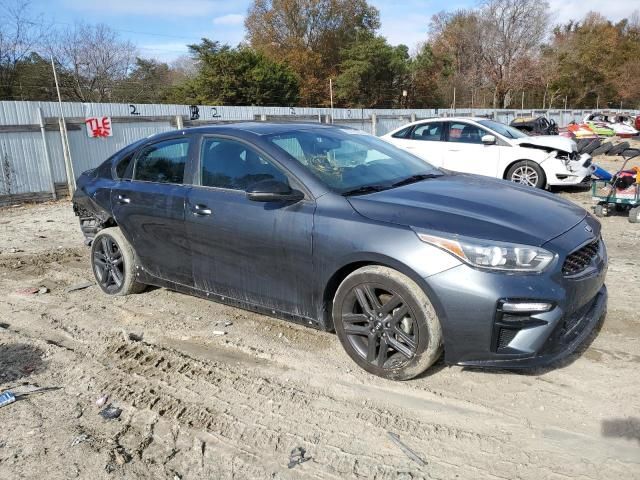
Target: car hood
pixel 473 206
pixel 550 142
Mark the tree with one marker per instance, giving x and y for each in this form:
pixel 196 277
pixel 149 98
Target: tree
pixel 309 36
pixel 373 74
pixel 237 76
pixel 96 60
pixel 148 82
pixel 21 33
pixel 512 32
pixel 456 52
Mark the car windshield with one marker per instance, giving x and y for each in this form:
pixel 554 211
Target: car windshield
pixel 351 161
pixel 502 129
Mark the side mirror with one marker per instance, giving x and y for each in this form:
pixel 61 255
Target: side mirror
pixel 273 191
pixel 488 139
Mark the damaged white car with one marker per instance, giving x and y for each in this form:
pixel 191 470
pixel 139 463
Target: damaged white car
pixel 485 147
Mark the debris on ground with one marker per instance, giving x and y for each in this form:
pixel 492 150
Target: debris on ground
pixel 78 286
pixel 6 398
pixel 42 290
pixel 80 439
pixel 406 450
pixel 297 457
pixel 25 292
pixel 101 401
pixel 121 456
pixel 110 412
pixel 228 324
pixel 218 332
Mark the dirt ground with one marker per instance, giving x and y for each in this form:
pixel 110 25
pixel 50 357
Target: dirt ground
pixel 197 404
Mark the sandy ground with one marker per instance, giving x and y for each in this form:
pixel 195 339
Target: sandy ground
pixel 200 405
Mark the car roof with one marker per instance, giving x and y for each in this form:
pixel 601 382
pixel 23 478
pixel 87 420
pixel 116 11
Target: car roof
pixel 439 119
pixel 256 128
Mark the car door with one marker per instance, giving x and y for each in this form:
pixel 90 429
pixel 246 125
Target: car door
pixel 425 140
pixel 255 252
pixel 149 206
pixel 465 151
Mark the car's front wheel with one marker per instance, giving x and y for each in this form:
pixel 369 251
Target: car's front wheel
pixel 527 172
pixel 113 263
pixel 386 323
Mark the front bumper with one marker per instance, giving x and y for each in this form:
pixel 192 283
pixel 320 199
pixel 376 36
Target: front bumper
pixel 568 334
pixel 576 172
pixel 468 303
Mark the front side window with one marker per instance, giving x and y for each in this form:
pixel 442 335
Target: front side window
pixel 431 132
pixel 347 160
pixel 163 162
pixel 465 133
pixel 230 164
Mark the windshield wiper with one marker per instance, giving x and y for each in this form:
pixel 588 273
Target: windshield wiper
pixel 364 189
pixel 415 178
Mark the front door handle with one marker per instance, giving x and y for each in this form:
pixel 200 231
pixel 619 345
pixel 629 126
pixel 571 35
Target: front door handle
pixel 123 199
pixel 201 210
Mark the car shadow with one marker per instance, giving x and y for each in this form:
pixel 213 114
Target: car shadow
pixel 627 428
pixel 583 187
pixel 562 363
pixel 19 360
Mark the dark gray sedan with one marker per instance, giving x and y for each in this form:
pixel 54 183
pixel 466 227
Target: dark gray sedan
pixel 336 229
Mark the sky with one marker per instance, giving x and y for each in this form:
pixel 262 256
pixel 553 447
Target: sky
pixel 162 28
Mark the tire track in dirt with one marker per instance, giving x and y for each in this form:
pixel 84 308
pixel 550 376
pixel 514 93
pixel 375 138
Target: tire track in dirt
pixel 210 397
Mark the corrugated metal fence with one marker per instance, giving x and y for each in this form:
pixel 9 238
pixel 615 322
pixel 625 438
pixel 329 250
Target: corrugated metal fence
pixel 32 161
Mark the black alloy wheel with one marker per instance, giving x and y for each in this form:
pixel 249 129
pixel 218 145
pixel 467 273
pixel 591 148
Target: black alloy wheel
pixel 108 264
pixel 379 325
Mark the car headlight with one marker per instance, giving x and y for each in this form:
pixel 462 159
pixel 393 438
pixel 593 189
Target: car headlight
pixel 492 255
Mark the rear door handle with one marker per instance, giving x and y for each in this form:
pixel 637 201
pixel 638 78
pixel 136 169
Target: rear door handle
pixel 201 210
pixel 123 199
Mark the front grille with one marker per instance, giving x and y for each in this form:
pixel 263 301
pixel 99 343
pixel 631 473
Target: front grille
pixel 579 260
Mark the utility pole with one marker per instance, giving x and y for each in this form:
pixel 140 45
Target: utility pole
pixel 331 98
pixel 454 100
pixel 598 102
pixel 71 179
pixel 565 102
pixel 522 104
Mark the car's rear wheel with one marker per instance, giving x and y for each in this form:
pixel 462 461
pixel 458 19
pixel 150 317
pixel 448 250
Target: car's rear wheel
pixel 113 263
pixel 386 323
pixel 527 172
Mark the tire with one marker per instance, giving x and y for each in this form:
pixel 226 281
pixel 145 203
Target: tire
pixel 602 149
pixel 527 172
pixel 583 142
pixel 113 263
pixel 378 304
pixel 593 144
pixel 618 149
pixel 601 210
pixel 634 215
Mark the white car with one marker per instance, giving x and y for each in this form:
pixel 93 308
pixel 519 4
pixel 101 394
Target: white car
pixel 486 147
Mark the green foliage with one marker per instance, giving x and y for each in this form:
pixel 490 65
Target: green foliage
pixel 373 73
pixel 238 76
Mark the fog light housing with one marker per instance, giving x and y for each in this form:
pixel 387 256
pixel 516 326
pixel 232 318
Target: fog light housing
pixel 525 307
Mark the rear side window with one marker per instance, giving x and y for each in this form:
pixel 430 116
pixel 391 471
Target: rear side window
pixel 122 167
pixel 163 162
pixel 402 133
pixel 230 164
pixel 431 132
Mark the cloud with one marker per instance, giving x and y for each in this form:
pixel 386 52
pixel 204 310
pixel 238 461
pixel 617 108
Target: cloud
pixel 230 19
pixel 564 10
pixel 150 8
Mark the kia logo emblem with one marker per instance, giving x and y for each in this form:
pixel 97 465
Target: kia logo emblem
pixel 588 229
